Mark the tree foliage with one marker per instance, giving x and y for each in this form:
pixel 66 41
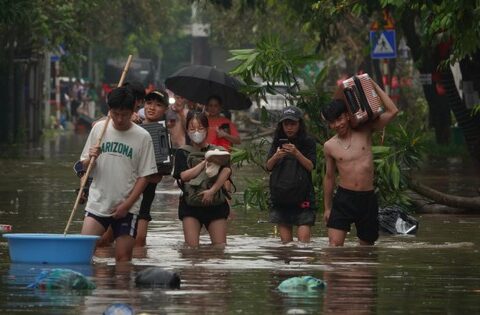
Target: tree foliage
pixel 34 25
pixel 114 28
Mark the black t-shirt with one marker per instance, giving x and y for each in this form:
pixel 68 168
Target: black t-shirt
pixel 307 146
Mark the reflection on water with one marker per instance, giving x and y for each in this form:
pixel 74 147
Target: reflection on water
pixel 433 272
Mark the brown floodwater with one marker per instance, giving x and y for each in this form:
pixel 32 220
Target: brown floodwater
pixel 434 272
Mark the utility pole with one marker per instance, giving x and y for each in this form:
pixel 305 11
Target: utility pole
pixel 46 90
pixel 57 89
pixel 90 64
pixel 200 34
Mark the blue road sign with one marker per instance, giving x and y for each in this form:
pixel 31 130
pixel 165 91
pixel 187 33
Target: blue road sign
pixel 60 51
pixel 383 44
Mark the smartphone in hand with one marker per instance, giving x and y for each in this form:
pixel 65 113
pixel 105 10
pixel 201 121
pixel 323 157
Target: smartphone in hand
pixel 281 142
pixel 225 127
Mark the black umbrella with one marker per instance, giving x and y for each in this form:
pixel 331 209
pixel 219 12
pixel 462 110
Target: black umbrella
pixel 197 83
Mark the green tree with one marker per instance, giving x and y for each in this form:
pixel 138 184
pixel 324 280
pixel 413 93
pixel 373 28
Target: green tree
pixel 27 29
pixel 428 26
pixel 31 28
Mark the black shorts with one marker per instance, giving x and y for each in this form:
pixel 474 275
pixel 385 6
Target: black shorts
pixel 205 215
pixel 147 200
pixel 293 216
pixel 124 226
pixel 359 207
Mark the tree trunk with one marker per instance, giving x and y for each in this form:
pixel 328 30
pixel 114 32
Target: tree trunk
pixel 21 102
pixel 468 123
pixel 439 111
pixel 11 94
pixel 439 114
pixel 471 203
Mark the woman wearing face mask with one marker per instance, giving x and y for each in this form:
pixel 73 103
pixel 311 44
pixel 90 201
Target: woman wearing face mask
pixel 213 217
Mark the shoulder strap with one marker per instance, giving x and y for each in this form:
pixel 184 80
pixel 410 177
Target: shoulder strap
pixel 188 148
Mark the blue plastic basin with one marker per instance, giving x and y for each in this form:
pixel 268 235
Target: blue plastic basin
pixel 51 248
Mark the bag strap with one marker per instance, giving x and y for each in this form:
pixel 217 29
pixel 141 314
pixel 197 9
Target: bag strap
pixel 188 148
pixel 352 102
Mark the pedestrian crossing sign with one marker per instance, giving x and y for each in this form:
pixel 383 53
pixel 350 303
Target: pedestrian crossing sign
pixel 383 44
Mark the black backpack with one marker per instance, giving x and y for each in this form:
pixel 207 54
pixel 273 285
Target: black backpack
pixel 290 183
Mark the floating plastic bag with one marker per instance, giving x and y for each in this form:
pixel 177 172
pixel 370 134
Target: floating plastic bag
pixel 395 220
pixel 62 279
pixel 301 284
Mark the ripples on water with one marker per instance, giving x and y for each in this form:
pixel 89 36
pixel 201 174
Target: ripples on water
pixel 434 272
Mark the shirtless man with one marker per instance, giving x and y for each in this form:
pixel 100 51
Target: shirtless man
pixel 349 151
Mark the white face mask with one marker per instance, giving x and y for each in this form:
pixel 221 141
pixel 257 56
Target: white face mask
pixel 197 136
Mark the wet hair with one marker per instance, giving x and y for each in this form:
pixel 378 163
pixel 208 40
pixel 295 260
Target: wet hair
pixel 334 110
pixel 137 89
pixel 198 115
pixel 121 98
pixel 280 134
pixel 216 98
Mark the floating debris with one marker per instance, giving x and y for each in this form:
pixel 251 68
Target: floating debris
pixel 301 284
pixel 119 309
pixel 158 278
pixel 62 279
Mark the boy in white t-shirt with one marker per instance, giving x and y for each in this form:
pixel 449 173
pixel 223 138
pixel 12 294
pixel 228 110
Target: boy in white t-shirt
pixel 121 172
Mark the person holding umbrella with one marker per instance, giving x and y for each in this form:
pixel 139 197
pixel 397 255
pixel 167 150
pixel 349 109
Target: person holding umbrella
pixel 177 130
pixel 217 90
pixel 221 131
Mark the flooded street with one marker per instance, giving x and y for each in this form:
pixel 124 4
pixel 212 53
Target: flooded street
pixel 435 272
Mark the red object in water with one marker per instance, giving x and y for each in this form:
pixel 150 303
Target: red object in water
pixel 5 228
